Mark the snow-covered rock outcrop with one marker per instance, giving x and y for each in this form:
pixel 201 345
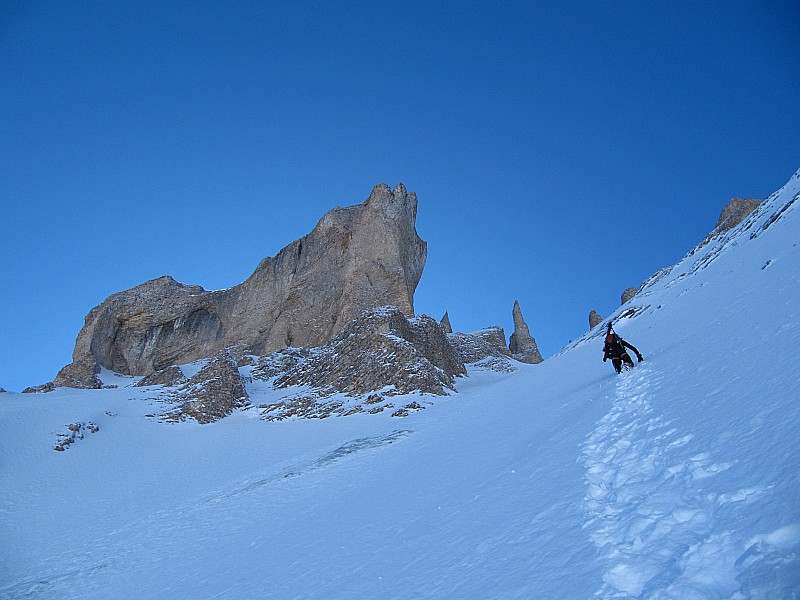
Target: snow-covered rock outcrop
pixel 381 350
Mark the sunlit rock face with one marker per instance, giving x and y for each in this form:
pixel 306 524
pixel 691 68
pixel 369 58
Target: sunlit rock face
pixel 356 258
pixel 522 345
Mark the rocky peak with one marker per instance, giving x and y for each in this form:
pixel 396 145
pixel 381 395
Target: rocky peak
pixel 394 204
pixel 734 213
pixel 445 323
pixel 594 319
pixel 356 258
pixel 522 345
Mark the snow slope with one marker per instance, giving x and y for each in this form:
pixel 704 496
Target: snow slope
pixel 678 479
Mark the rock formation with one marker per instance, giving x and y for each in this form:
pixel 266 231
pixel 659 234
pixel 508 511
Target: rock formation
pixel 78 374
pixel 594 319
pixel 169 377
pixel 495 336
pixel 381 350
pixel 628 294
pixel 356 258
pixel 77 431
pixel 445 323
pixel 522 345
pixel 484 349
pixel 214 392
pixel 41 389
pixel 734 213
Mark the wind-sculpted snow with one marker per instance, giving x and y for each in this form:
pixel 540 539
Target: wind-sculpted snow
pixel 95 572
pixel 344 451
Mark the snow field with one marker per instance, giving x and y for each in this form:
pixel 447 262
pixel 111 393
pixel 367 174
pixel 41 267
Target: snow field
pixel 679 479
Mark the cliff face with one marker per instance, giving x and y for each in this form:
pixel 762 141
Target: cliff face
pixel 356 258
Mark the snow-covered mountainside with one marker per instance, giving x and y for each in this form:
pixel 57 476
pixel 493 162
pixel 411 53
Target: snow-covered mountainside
pixel 678 479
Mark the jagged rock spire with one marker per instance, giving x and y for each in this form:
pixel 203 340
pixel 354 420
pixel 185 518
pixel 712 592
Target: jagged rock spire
pixel 522 345
pixel 594 319
pixel 445 323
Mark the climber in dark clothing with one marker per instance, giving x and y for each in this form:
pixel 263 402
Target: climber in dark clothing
pixel 615 350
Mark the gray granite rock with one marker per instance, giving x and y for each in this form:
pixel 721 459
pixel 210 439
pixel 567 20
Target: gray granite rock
pixel 594 319
pixel 355 258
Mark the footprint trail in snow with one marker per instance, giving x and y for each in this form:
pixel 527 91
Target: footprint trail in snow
pixel 646 511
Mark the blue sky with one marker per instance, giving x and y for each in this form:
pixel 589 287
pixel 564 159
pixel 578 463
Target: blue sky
pixel 561 151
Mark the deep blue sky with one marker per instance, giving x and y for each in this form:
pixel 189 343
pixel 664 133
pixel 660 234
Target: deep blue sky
pixel 561 151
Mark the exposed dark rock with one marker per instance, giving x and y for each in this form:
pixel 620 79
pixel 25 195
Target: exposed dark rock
pixel 594 319
pixel 496 336
pixel 522 345
pixel 628 294
pixel 445 323
pixel 632 312
pixel 247 360
pixel 279 363
pixel 77 432
pixel 40 389
pixel 310 406
pixel 170 376
pixel 381 350
pixel 214 392
pixel 736 211
pixel 355 258
pixel 408 409
pixel 79 374
pixel 485 349
pixel 304 406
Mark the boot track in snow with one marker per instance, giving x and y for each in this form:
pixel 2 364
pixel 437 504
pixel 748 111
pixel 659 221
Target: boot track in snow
pixel 649 522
